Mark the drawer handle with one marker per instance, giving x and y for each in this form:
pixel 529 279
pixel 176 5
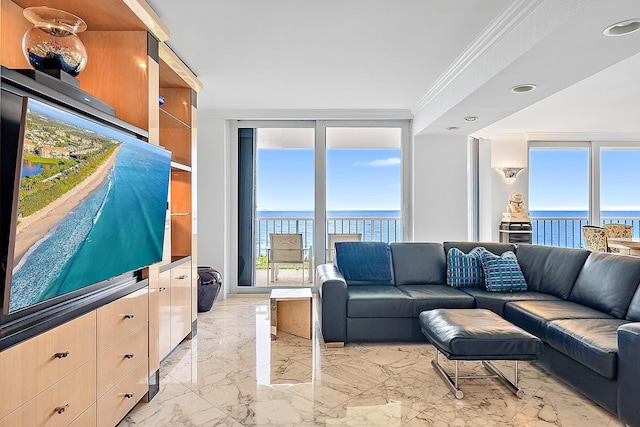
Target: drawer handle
pixel 162 289
pixel 129 316
pixel 60 409
pixel 129 356
pixel 182 277
pixel 129 395
pixel 61 355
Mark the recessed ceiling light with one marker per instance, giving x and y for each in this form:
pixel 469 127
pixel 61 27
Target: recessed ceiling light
pixel 453 128
pixel 622 28
pixel 523 88
pixel 471 118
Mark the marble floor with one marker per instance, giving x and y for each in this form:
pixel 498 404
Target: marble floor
pixel 232 374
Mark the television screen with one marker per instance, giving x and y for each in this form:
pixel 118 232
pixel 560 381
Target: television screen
pixel 91 205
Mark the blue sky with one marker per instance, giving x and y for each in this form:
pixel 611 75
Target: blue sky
pixel 369 179
pixel 356 179
pixel 559 179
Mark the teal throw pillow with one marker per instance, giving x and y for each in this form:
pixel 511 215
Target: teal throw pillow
pixel 502 273
pixel 464 270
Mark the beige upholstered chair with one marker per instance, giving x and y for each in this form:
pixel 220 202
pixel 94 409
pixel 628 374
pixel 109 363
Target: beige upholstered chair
pixel 617 230
pixel 595 238
pixel 333 238
pixel 287 249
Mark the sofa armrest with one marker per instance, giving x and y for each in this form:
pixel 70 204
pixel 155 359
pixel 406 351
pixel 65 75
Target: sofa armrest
pixel 629 373
pixel 332 289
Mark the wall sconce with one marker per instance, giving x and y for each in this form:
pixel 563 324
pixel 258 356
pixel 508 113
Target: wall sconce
pixel 509 172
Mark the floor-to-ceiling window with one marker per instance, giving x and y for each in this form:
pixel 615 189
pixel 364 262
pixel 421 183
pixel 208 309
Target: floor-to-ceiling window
pixel 582 183
pixel 363 185
pixel 302 184
pixel 619 189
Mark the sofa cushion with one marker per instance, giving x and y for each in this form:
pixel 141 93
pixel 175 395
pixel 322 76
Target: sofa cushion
pixel 495 301
pixel 502 273
pixel 607 282
pixel 378 301
pixel 550 270
pixel 592 342
pixel 437 296
pixel 464 270
pixel 493 247
pixel 418 263
pixel 533 316
pixel 364 263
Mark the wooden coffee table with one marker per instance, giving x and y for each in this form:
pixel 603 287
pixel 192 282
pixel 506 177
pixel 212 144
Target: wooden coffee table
pixel 291 311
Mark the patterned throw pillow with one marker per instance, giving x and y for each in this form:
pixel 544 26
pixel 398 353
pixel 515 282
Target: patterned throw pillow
pixel 502 273
pixel 464 270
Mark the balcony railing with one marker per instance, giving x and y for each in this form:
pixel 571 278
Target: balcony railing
pixel 382 229
pixel 567 232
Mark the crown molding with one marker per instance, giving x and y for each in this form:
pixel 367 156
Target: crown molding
pixel 509 18
pixel 311 114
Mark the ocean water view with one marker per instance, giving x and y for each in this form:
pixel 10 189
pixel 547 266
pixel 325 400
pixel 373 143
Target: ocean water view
pixel 550 227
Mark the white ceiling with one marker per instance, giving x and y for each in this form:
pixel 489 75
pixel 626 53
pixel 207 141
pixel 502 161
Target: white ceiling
pixel 436 60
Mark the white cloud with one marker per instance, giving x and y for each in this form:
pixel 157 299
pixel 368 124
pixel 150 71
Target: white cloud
pixel 391 161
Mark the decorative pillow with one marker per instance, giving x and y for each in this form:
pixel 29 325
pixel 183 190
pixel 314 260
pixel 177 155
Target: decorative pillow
pixel 502 273
pixel 364 263
pixel 464 270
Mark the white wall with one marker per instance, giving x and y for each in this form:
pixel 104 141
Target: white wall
pixel 441 202
pixel 213 194
pixel 509 150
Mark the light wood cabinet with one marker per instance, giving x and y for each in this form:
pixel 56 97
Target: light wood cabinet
pixel 68 373
pixel 165 314
pixel 36 364
pixel 175 306
pixel 129 66
pixel 122 397
pixel 61 403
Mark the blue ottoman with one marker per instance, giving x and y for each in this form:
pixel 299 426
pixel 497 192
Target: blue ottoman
pixel 477 334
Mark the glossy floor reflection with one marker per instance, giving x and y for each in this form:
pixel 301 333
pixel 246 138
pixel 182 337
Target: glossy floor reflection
pixel 232 374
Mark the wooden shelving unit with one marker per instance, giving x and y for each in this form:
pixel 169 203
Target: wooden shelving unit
pixel 129 66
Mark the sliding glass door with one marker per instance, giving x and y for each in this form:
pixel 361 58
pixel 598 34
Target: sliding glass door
pixel 302 185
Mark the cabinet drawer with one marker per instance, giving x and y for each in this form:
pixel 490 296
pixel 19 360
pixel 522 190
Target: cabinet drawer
pixel 60 404
pixel 118 401
pixel 119 359
pixel 87 419
pixel 39 362
pixel 121 317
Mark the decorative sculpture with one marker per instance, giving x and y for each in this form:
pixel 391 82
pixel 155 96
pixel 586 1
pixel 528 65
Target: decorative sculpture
pixel 515 209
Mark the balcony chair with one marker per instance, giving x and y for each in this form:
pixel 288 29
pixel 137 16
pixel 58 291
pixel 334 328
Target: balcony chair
pixel 617 230
pixel 286 249
pixel 339 237
pixel 595 238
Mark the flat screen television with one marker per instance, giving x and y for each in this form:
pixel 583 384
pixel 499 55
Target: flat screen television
pixel 84 199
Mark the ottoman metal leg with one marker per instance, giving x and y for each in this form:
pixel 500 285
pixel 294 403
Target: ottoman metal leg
pixel 452 383
pixel 512 385
pixel 449 382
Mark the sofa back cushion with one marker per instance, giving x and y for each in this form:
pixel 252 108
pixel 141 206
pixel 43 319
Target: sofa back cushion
pixel 551 270
pixel 493 247
pixel 418 263
pixel 364 263
pixel 607 282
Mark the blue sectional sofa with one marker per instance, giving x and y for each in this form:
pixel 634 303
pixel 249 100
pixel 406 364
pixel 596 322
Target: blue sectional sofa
pixel 584 306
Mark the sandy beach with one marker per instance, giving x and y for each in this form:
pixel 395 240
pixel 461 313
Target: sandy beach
pixel 34 227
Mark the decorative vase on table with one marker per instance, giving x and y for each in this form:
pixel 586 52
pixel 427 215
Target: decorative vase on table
pixel 52 44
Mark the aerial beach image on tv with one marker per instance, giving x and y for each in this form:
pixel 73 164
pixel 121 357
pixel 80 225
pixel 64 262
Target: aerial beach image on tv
pixel 92 204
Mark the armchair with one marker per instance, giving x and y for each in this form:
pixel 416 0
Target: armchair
pixel 287 249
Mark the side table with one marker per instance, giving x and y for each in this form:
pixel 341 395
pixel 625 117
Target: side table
pixel 291 311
